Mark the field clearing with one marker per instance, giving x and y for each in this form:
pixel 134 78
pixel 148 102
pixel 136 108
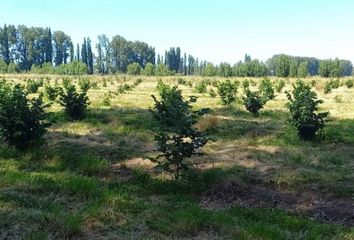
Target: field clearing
pixel 257 180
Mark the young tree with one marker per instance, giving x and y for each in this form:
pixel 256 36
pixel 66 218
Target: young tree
pixel 22 121
pixel 227 92
pixel 303 107
pixel 177 138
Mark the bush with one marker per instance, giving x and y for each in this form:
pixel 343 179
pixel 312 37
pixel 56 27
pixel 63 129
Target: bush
pixel 22 121
pixel 74 103
pixel 201 87
pixel 279 85
pixel 107 99
pixel 149 69
pixel 84 84
pixel 303 107
pixel 133 69
pixel 227 92
pixel 266 90
pixel 349 83
pixel 331 84
pixel 177 138
pixel 212 93
pixel 32 85
pixel 246 84
pixel 253 102
pixel 51 93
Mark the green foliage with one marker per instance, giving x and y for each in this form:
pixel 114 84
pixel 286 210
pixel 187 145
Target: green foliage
pixel 51 92
pixel 331 84
pixel 303 107
pixel 84 84
pixel 149 69
pixel 303 69
pixel 162 70
pixel 212 93
pixel 349 83
pixel 72 68
pixel 279 85
pixel 22 121
pixel 282 68
pixel 201 87
pixel 266 90
pixel 134 69
pixel 74 103
pixel 107 100
pixel 3 66
pixel 209 70
pixel 224 70
pixel 137 82
pixel 124 87
pixel 227 91
pixel 253 102
pixel 246 84
pixel 12 68
pixel 177 138
pixel 33 85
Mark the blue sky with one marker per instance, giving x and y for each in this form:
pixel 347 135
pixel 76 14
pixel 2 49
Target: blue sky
pixel 215 30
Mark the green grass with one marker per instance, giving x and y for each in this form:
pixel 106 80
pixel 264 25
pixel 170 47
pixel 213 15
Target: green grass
pixel 70 188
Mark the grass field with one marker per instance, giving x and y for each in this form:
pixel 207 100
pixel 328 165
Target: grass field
pixel 257 180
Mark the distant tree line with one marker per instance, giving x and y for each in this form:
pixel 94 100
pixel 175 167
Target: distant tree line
pixel 38 50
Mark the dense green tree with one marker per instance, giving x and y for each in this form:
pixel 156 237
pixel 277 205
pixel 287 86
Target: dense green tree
pixel 224 70
pixel 62 43
pixel 294 65
pixel 3 66
pixel 149 69
pixel 209 70
pixel 84 52
pixel 89 57
pixel 77 56
pixel 134 69
pixel 282 67
pixel 303 69
pixel 162 70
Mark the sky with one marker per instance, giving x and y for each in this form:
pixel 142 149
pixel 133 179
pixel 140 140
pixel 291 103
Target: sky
pixel 213 30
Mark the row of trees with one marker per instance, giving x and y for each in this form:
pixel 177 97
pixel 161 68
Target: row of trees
pixel 30 47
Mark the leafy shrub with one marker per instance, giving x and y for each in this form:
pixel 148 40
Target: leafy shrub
pixel 266 90
pixel 331 84
pixel 107 99
pixel 212 93
pixel 51 93
pixel 33 85
pixel 253 102
pixel 134 69
pixel 182 81
pixel 22 121
pixel 177 138
pixel 74 103
pixel 246 84
pixel 137 82
pixel 279 85
pixel 349 83
pixel 227 92
pixel 201 87
pixel 303 107
pixel 84 84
